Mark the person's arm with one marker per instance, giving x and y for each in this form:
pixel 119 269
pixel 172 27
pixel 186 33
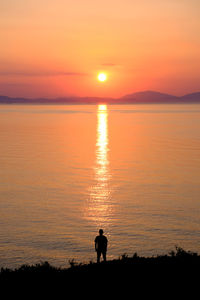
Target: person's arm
pixel 106 243
pixel 95 243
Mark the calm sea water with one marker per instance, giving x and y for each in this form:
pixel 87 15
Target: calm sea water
pixel 66 171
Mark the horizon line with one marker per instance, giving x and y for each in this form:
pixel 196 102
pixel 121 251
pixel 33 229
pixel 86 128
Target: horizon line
pixel 101 97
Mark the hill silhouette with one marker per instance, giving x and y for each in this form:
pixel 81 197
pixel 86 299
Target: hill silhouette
pixel 135 98
pixel 157 274
pixel 149 97
pixel 156 97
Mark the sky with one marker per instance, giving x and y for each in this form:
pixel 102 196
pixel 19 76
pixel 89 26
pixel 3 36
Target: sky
pixel 56 48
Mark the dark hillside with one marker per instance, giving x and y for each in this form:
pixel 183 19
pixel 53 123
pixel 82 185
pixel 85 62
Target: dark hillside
pixel 177 270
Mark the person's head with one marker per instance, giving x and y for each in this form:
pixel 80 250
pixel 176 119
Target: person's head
pixel 100 231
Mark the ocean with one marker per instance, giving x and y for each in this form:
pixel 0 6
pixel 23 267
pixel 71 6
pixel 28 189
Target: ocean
pixel 68 170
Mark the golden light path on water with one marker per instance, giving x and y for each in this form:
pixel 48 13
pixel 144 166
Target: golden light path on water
pixel 99 209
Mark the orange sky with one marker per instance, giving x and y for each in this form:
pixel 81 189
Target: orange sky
pixel 56 48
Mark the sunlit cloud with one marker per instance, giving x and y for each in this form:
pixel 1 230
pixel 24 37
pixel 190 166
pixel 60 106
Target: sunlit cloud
pixel 41 73
pixel 108 64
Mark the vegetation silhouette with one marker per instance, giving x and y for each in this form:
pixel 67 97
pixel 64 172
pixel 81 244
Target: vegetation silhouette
pixel 178 269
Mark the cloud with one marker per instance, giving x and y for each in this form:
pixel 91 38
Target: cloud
pixel 108 64
pixel 40 73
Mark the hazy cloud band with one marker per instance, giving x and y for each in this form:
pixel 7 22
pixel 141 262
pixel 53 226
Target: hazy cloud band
pixel 40 74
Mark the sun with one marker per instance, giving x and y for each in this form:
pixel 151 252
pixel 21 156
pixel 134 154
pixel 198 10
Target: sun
pixel 102 77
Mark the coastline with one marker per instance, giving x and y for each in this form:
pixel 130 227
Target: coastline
pixel 177 261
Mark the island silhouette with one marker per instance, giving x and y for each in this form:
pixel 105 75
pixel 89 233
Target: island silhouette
pixel 144 97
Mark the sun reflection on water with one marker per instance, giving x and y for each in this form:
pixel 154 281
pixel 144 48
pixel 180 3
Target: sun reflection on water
pixel 102 145
pixel 100 208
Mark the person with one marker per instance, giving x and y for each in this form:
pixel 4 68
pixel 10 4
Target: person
pixel 101 245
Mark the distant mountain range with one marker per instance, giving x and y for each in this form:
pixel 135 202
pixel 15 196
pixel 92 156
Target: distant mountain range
pixel 156 97
pixel 147 97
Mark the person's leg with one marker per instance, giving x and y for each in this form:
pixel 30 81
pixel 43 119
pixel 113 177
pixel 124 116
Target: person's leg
pixel 104 255
pixel 98 256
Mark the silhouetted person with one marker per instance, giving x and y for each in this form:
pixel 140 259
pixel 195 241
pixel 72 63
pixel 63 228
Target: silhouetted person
pixel 101 245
